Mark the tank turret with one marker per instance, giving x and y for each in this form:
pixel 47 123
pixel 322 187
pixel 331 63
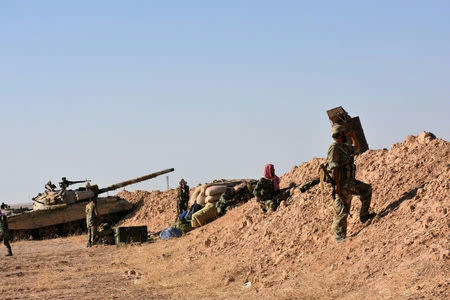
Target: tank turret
pixel 52 197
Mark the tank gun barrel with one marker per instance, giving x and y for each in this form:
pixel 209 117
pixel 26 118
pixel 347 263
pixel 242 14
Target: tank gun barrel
pixel 132 181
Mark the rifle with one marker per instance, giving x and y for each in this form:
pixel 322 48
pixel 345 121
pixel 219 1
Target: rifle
pixel 303 187
pixel 333 185
pixel 286 189
pixel 65 183
pixel 307 185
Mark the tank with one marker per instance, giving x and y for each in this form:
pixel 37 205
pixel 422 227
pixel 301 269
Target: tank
pixel 61 212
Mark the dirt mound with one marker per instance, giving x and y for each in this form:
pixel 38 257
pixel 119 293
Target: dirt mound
pixel 155 209
pixel 291 253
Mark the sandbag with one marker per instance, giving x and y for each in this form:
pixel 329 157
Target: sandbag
pixel 203 189
pixel 194 196
pixel 215 190
pixel 201 199
pixel 204 216
pixel 212 199
pixel 239 186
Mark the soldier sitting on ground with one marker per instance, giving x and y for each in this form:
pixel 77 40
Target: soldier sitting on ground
pixel 4 232
pixel 340 163
pixel 267 190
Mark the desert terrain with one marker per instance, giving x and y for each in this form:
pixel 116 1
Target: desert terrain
pixel 403 253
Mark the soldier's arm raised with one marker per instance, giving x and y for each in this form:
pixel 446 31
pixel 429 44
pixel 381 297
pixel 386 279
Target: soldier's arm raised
pixel 355 142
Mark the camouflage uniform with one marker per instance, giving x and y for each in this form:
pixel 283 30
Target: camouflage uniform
pixel 226 200
pixel 4 233
pixel 230 199
pixel 265 194
pixel 340 156
pixel 183 197
pixel 91 222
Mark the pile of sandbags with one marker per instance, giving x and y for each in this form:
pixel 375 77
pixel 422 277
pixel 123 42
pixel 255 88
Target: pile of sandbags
pixel 211 192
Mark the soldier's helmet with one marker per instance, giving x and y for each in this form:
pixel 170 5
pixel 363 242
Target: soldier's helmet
pixel 183 182
pixel 336 130
pixel 87 185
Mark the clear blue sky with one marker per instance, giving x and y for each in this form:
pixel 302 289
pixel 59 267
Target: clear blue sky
pixel 110 90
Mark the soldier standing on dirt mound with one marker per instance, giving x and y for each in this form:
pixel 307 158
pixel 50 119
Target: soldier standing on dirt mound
pixel 4 232
pixel 183 197
pixel 340 163
pixel 92 218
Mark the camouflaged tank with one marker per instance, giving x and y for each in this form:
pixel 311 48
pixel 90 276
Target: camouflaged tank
pixel 61 212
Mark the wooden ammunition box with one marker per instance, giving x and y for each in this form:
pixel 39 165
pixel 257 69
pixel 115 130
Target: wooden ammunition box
pixel 338 115
pixel 128 235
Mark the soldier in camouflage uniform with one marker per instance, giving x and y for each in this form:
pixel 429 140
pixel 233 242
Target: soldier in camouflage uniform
pixel 340 163
pixel 92 218
pixel 226 201
pixel 4 233
pixel 234 197
pixel 183 197
pixel 267 189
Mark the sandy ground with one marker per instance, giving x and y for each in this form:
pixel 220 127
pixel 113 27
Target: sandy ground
pixel 289 254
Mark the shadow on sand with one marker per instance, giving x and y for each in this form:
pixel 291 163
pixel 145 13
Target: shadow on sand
pixel 393 206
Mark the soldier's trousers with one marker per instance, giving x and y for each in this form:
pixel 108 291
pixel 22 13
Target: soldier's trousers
pixel 92 235
pixel 6 243
pixel 182 205
pixel 273 204
pixel 358 188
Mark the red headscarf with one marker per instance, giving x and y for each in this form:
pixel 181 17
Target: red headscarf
pixel 270 174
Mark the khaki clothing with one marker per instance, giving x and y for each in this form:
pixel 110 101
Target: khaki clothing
pixel 340 156
pixel 91 222
pixel 92 235
pixel 359 188
pixel 91 214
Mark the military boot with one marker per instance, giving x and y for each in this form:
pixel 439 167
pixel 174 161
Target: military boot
pixel 9 252
pixel 367 217
pixel 340 239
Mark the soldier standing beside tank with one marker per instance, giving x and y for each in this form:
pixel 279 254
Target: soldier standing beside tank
pixel 92 218
pixel 340 163
pixel 4 232
pixel 183 197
